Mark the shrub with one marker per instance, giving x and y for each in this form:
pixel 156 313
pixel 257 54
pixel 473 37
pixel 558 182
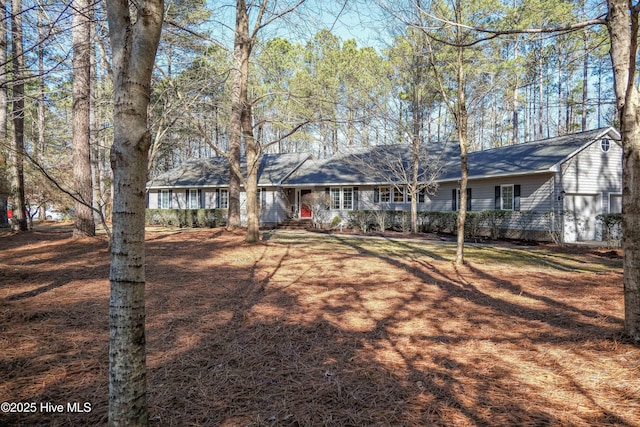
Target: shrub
pixel 186 217
pixel 554 224
pixel 360 219
pixel 439 222
pixel 381 219
pixel 494 220
pixel 611 228
pixel 473 225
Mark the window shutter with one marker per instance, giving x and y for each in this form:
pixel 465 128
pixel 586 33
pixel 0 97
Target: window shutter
pixel 421 195
pixel 468 199
pixel 516 197
pixel 454 200
pixel 159 199
pixel 217 198
pixel 188 205
pixel 355 198
pixel 170 199
pixel 497 204
pixel 200 204
pixel 376 194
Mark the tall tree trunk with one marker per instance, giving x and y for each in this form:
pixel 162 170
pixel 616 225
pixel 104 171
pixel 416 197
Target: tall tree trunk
pixel 84 224
pixel 253 162
pixel 622 24
pixel 134 42
pixel 241 51
pixel 4 111
pixel 585 81
pixel 17 144
pixel 461 124
pixel 515 119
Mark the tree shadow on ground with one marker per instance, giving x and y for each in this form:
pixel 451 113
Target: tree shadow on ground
pixel 283 334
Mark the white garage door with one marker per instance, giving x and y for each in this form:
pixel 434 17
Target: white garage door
pixel 580 220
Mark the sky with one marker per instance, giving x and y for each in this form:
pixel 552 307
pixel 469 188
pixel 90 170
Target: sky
pixel 347 19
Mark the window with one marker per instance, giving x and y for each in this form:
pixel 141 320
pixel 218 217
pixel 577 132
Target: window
pixel 385 194
pixel 344 198
pixel 347 198
pixel 164 199
pixel 193 199
pixel 335 198
pixel 223 199
pixel 398 195
pixel 605 145
pixel 507 197
pixel 262 197
pixel 455 199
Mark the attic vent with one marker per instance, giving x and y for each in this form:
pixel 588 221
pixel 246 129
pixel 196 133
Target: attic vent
pixel 605 144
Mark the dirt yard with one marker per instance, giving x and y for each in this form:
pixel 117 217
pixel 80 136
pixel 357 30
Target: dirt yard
pixel 318 330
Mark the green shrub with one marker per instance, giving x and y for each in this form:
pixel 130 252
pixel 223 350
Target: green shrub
pixel 473 225
pixel 335 221
pixel 360 219
pixel 493 219
pixel 439 222
pixel 189 218
pixel 611 228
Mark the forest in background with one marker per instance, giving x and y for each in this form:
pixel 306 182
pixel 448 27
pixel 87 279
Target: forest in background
pixel 310 89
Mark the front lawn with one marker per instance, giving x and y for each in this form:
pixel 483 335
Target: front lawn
pixel 310 330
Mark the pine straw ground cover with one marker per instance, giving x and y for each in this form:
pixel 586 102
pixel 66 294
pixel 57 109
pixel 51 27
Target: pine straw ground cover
pixel 311 330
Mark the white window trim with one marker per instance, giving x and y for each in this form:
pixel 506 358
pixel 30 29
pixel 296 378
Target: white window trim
pixel 194 200
pixel 165 198
pixel 224 199
pixel 404 195
pixel 339 203
pixel 343 201
pixel 502 187
pixel 387 190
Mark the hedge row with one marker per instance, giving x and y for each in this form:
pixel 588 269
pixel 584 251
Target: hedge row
pixel 527 225
pixel 196 218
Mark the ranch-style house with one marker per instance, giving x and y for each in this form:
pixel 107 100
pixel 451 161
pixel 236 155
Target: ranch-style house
pixel 568 179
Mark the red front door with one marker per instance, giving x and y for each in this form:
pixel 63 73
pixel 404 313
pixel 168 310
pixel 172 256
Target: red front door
pixel 305 209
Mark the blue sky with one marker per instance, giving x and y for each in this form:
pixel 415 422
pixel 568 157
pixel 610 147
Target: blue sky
pixel 354 19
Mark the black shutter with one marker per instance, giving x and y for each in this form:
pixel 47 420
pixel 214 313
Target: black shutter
pixel 497 204
pixel 355 198
pixel 200 204
pixel 218 198
pixel 421 195
pixel 188 205
pixel 468 199
pixel 170 199
pixel 454 200
pixel 516 197
pixel 159 199
pixel 376 194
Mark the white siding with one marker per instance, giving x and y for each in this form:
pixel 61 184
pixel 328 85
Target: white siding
pixel 593 171
pixel 536 193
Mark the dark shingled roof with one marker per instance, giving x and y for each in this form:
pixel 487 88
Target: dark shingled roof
pixel 214 171
pixel 368 165
pixel 364 166
pixel 527 158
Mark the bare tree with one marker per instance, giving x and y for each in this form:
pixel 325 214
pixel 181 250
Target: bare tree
pixel 134 30
pixel 241 121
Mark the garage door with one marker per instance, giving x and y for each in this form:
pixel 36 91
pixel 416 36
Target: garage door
pixel 580 220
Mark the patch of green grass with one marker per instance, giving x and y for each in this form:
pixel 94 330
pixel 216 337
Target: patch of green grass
pixel 445 251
